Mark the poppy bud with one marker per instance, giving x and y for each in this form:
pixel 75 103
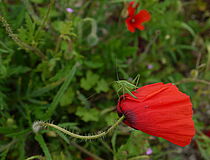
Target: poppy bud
pixel 160 110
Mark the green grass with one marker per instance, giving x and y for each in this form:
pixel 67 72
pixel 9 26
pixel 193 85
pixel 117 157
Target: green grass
pixel 41 45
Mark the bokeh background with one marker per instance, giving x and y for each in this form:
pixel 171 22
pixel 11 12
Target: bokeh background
pixel 58 61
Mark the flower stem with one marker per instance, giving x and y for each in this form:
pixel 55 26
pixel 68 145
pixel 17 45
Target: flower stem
pixel 81 136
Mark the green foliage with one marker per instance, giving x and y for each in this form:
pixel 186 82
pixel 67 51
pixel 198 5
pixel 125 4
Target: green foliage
pixel 67 98
pixel 90 81
pixel 61 91
pixel 111 118
pixel 102 86
pixel 43 145
pixel 65 29
pixel 203 144
pixel 88 114
pixel 135 145
pixel 41 79
pixel 28 32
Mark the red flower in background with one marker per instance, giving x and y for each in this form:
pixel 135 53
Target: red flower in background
pixel 160 110
pixel 135 20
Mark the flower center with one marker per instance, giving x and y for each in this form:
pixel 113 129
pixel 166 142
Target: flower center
pixel 132 20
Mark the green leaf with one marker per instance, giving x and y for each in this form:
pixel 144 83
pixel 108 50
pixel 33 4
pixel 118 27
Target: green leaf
pixel 83 99
pixel 90 81
pixel 67 98
pixel 63 136
pixel 3 104
pixel 27 33
pixel 87 114
pixel 38 1
pixel 15 70
pixel 135 146
pixel 113 141
pixel 111 118
pixel 3 154
pixel 61 91
pixel 102 86
pixel 43 145
pixel 93 64
pixel 65 28
pixel 21 147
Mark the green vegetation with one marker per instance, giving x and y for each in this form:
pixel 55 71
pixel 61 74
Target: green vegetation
pixel 60 66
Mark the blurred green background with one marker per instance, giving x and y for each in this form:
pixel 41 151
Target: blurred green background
pixel 59 66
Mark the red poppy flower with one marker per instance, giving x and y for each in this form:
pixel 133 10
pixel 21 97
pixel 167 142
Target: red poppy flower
pixel 135 20
pixel 132 8
pixel 160 110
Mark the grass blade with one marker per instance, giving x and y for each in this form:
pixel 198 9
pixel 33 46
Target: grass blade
pixel 43 145
pixel 61 91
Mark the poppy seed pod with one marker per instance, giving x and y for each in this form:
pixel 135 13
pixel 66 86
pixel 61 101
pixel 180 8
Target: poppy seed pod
pixel 160 110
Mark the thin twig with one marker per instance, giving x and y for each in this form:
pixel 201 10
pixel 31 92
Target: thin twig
pixel 31 11
pixel 45 18
pixel 86 151
pixel 151 42
pixel 188 80
pixel 106 145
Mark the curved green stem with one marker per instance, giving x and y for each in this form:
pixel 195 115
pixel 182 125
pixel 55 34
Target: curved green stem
pixel 81 136
pixel 35 157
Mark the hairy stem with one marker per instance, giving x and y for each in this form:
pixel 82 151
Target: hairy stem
pixel 45 124
pixel 18 41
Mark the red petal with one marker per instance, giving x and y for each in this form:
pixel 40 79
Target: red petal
pixel 132 8
pixel 129 25
pixel 142 16
pixel 161 110
pixel 131 3
pixel 140 27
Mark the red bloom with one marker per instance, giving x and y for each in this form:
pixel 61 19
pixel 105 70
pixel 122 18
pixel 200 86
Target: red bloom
pixel 160 110
pixel 135 20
